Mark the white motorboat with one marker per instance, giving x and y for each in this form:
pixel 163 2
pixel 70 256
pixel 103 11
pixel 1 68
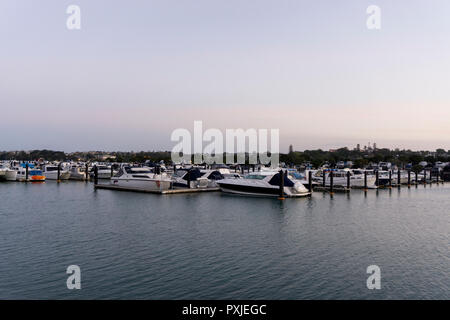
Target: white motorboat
pixel 104 172
pixel 77 172
pixel 33 175
pixel 51 172
pixel 7 174
pixel 192 179
pixel 357 178
pixel 141 178
pixel 263 183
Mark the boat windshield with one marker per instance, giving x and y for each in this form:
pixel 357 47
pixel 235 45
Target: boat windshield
pixel 296 175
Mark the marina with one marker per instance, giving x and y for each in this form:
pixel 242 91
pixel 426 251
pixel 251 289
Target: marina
pixel 281 182
pixel 196 245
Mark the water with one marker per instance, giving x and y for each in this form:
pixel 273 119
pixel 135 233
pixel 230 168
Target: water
pixel 216 246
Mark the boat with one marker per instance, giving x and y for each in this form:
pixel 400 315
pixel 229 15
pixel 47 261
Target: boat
pixel 77 172
pixel 103 172
pixel 263 183
pixel 7 174
pixel 34 175
pixel 51 172
pixel 191 178
pixel 141 178
pixel 357 178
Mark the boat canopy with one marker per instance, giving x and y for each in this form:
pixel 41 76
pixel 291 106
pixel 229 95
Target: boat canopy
pixel 275 181
pixel 192 174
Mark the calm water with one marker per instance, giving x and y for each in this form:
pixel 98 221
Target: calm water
pixel 215 246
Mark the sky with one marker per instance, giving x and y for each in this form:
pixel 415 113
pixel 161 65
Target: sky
pixel 137 70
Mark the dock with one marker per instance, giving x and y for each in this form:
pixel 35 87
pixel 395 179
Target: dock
pixel 169 191
pixel 335 189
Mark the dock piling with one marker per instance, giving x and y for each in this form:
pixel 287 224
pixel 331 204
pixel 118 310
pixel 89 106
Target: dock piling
pixel 323 179
pixel 310 181
pixel 365 180
pixel 281 195
pixel 26 172
pixel 331 183
pixel 348 181
pixel 377 178
pixel 59 173
pixel 390 179
pixel 86 172
pixel 95 174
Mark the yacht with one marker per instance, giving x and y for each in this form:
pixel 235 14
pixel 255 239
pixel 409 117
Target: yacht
pixel 104 172
pixel 357 178
pixel 7 174
pixel 141 178
pixel 51 172
pixel 263 183
pixel 77 172
pixel 34 175
pixel 192 178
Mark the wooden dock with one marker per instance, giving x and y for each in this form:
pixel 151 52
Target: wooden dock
pixel 169 191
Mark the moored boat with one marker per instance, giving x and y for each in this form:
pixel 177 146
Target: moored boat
pixel 141 178
pixel 263 183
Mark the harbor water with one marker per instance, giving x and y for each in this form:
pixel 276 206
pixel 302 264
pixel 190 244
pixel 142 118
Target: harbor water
pixel 216 246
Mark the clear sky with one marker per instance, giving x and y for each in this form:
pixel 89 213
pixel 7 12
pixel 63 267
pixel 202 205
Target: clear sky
pixel 137 70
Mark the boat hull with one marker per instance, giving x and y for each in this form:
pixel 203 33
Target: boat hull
pixel 53 175
pixel 142 184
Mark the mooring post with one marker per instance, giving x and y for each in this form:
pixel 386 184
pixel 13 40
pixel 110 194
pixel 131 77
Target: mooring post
pixel 95 175
pixel 281 193
pixel 365 180
pixel 112 171
pixel 310 181
pixel 377 177
pixel 348 181
pixel 431 176
pixel 398 178
pixel 331 182
pixel 86 171
pixel 424 176
pixel 417 177
pixel 409 178
pixel 26 172
pixel 390 178
pixel 188 179
pixel 58 179
pixel 323 178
